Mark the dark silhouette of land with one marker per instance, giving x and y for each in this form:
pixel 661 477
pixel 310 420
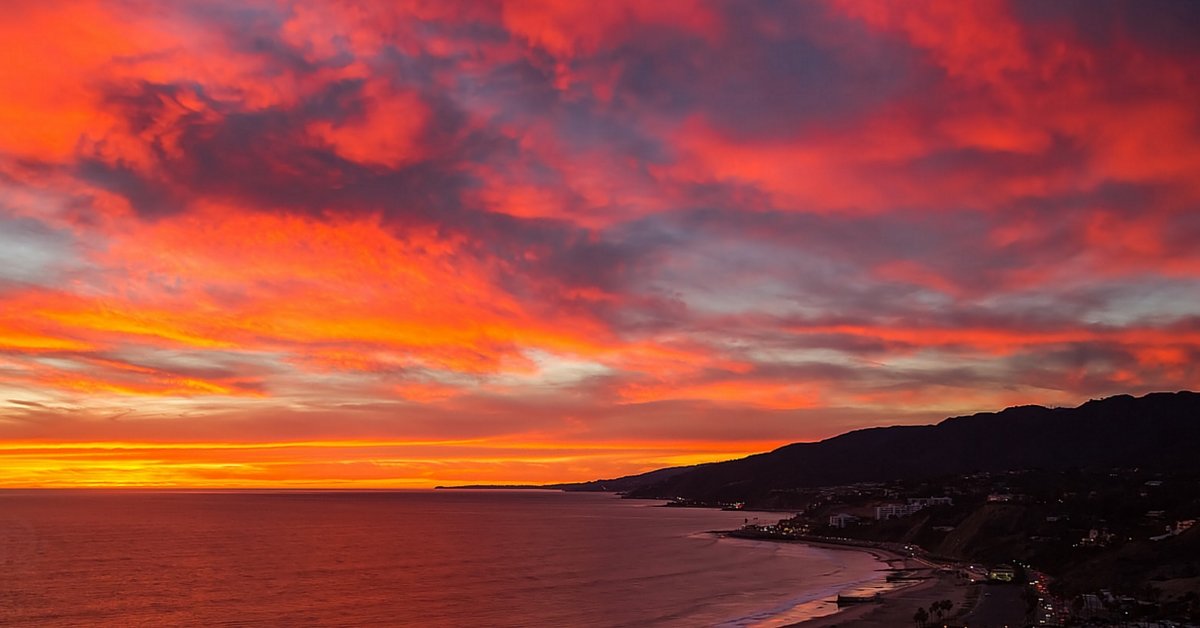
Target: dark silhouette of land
pixel 1156 431
pixel 616 485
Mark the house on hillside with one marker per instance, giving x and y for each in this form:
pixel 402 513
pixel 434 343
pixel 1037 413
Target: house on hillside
pixel 894 511
pixel 915 504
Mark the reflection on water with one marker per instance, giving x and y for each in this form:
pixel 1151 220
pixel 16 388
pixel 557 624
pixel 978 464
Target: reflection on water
pixel 394 558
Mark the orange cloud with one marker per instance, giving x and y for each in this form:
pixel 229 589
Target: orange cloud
pixel 532 241
pixel 786 395
pixel 1004 340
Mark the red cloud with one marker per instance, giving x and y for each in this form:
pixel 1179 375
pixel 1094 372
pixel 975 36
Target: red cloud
pixel 527 220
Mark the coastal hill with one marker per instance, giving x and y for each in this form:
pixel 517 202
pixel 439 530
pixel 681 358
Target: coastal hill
pixel 1156 431
pixel 615 485
pixel 627 483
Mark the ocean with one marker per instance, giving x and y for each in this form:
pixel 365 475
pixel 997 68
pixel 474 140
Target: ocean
pixel 398 558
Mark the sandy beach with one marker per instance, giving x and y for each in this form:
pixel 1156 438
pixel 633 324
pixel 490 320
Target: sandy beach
pixel 896 602
pixel 897 605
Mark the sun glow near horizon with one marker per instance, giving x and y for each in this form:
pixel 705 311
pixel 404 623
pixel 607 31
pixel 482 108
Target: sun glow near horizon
pixel 339 464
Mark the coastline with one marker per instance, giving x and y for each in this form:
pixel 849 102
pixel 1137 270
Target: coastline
pixel 896 604
pixel 896 601
pixel 895 607
pixel 868 579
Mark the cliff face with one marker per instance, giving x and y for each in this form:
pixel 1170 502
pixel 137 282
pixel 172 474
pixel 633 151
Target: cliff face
pixel 994 532
pixel 1157 431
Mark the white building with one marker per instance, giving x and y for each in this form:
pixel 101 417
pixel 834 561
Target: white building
pixel 893 511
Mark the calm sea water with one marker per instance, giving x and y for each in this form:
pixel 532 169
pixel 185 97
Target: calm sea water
pixel 421 558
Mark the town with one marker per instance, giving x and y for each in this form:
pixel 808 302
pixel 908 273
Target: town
pixel 1117 547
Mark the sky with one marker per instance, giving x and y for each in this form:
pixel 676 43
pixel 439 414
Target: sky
pixel 408 243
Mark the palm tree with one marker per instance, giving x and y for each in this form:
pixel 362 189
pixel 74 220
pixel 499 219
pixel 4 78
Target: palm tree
pixel 920 617
pixel 941 607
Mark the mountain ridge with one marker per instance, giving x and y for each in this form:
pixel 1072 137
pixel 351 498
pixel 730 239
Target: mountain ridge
pixel 1157 429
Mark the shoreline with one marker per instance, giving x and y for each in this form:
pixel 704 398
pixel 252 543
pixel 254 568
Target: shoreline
pixel 896 601
pixel 872 583
pixel 895 607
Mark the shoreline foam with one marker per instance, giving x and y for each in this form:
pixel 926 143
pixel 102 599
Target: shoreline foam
pixel 897 600
pixel 896 605
pixel 822 604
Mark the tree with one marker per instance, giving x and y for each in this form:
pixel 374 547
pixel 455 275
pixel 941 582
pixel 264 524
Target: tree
pixel 920 617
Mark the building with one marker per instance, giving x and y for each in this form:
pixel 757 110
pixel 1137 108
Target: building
pixel 1099 537
pixel 1174 530
pixel 842 520
pixel 1002 573
pixel 925 502
pixel 894 511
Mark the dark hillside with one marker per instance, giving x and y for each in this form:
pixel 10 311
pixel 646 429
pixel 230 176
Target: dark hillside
pixel 1157 431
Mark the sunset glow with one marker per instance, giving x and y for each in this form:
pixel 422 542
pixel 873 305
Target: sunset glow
pixel 403 244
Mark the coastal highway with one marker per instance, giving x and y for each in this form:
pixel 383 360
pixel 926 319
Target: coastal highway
pixel 1000 606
